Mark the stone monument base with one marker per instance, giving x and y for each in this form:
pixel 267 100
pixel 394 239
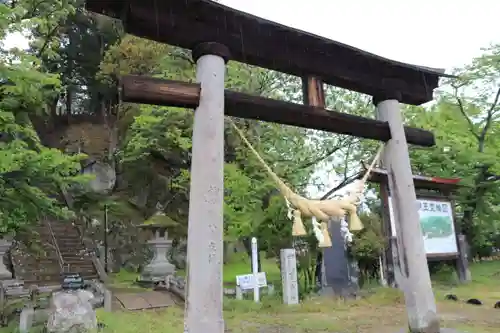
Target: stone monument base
pixel 350 292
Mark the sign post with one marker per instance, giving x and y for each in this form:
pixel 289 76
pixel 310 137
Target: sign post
pixel 441 236
pixel 250 282
pixel 255 269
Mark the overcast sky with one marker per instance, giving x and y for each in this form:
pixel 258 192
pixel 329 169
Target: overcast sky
pixel 434 33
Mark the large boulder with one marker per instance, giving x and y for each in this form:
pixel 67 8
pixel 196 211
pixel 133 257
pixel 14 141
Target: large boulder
pixel 71 311
pixel 104 176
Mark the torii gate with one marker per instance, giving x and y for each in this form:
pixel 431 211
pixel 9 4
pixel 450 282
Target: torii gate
pixel 217 33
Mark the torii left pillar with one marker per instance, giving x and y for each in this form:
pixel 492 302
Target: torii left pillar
pixel 205 229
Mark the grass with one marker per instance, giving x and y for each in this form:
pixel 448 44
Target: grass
pixel 239 265
pixel 382 311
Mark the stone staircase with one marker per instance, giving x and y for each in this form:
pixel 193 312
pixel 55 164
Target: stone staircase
pixel 45 267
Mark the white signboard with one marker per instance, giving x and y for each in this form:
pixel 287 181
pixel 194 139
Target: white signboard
pixel 245 282
pixel 436 223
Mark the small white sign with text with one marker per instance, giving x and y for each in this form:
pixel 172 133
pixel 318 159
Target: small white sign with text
pixel 246 281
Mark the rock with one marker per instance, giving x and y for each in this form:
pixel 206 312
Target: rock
pixel 71 312
pixel 105 176
pixel 474 301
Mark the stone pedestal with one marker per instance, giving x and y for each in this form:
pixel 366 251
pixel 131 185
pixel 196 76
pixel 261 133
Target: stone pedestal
pixel 5 274
pixel 159 267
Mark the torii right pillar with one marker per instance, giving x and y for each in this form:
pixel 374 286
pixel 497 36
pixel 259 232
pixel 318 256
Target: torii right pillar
pixel 419 297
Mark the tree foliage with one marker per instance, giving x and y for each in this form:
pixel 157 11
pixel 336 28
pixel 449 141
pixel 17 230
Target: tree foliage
pixel 31 175
pixel 62 96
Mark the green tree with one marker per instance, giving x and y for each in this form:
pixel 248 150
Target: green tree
pixel 31 175
pixel 465 121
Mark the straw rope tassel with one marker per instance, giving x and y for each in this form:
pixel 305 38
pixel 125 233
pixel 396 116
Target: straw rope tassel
pixel 322 210
pixel 357 190
pixel 327 240
pixel 298 228
pixel 317 231
pixel 321 232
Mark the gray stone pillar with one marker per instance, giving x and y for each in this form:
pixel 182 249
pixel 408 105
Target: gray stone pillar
pixel 289 276
pixel 205 230
pixel 419 297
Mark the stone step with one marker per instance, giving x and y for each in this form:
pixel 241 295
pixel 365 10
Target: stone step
pixel 47 261
pixel 75 257
pixel 72 252
pixel 83 272
pixel 68 241
pixel 42 278
pixel 65 237
pixel 80 264
pixel 44 269
pixel 57 274
pixel 43 260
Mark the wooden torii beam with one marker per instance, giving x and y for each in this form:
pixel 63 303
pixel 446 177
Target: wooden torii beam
pixel 147 90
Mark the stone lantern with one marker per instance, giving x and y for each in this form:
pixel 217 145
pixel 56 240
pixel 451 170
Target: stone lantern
pixel 159 267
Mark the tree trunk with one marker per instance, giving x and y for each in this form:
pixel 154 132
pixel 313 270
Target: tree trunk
pixel 473 200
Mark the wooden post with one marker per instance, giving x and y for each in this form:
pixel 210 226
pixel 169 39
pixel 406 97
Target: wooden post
pixel 387 255
pixel 463 270
pixel 313 92
pixel 419 297
pixel 205 229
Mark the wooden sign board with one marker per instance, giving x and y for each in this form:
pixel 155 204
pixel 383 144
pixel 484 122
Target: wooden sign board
pixel 437 225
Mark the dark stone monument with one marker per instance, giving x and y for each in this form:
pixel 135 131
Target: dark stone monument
pixel 337 274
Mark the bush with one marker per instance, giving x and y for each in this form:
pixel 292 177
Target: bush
pixel 368 245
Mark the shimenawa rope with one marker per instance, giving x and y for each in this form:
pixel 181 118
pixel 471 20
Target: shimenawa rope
pixel 321 210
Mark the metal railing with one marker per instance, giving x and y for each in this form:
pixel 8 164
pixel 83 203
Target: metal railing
pixel 91 247
pixel 58 251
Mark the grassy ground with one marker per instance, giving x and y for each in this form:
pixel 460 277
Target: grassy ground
pixel 382 311
pixel 239 265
